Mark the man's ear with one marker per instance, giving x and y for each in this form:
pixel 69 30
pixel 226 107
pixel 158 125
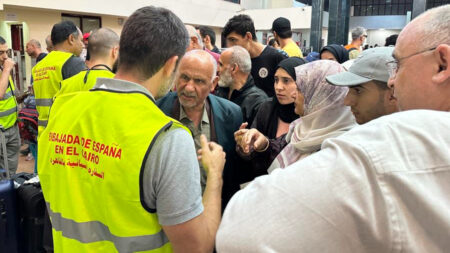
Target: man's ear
pixel 71 39
pixel 234 68
pixel 115 52
pixel 442 58
pixel 389 97
pixel 169 66
pixel 249 36
pixel 194 40
pixel 207 39
pixel 214 83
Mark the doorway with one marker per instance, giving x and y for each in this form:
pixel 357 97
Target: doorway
pixel 18 55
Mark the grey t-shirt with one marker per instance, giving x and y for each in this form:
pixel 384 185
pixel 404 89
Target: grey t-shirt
pixel 172 178
pixel 171 174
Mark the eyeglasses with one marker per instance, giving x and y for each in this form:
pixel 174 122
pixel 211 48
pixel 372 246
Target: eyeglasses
pixel 393 65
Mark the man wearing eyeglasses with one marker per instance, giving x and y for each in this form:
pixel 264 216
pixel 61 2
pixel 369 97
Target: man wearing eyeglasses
pixel 381 187
pixel 8 111
pixel 420 73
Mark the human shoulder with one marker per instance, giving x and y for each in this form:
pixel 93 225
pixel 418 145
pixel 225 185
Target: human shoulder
pixel 222 103
pixel 397 134
pixel 72 67
pixel 172 182
pixel 166 103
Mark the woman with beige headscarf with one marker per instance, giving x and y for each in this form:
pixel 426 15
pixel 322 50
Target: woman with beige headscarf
pixel 322 115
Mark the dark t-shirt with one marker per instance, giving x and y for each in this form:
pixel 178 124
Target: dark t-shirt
pixel 40 57
pixel 72 67
pixel 264 67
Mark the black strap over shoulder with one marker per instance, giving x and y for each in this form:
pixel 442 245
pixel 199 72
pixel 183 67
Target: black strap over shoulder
pixel 95 67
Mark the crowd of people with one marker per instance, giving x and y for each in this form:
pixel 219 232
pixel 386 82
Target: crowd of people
pixel 158 140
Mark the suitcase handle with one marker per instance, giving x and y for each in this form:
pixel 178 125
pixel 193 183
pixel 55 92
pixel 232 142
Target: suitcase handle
pixel 5 152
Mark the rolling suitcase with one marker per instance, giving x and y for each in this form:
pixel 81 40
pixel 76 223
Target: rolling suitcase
pixel 31 205
pixel 9 227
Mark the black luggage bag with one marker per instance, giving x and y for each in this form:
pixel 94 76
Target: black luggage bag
pixel 9 227
pixel 31 207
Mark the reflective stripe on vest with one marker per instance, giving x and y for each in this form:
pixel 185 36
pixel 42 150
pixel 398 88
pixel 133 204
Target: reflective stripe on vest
pixel 44 102
pixel 8 112
pixel 95 231
pixel 91 166
pixel 8 107
pixel 42 122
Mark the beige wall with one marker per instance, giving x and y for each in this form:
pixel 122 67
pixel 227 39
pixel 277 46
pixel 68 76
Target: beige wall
pixel 37 24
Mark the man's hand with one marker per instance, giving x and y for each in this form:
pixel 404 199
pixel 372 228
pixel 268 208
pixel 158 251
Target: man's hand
pixel 254 139
pixel 8 65
pixel 240 133
pixel 212 156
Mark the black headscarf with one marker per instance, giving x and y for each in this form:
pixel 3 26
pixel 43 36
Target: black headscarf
pixel 285 112
pixel 339 52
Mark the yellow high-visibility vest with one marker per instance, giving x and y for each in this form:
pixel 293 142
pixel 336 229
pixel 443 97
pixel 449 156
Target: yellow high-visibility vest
pixel 83 81
pixel 90 163
pixel 47 76
pixel 8 107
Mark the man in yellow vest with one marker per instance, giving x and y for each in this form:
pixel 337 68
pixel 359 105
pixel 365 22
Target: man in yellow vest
pixel 8 111
pixel 103 49
pixel 62 63
pixel 117 174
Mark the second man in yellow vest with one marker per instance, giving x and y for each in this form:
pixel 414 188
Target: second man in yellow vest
pixel 62 63
pixel 103 49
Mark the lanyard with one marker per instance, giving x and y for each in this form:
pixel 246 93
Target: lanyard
pixel 94 68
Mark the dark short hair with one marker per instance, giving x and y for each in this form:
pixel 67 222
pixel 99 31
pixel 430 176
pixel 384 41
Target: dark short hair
pixel 62 31
pixel 101 42
pixel 204 30
pixel 285 34
pixel 272 42
pixel 149 38
pixel 2 40
pixel 240 24
pixel 391 40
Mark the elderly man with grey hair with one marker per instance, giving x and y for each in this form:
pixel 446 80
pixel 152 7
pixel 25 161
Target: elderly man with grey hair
pixel 359 35
pixel 196 42
pixel 34 50
pixel 236 83
pixel 203 113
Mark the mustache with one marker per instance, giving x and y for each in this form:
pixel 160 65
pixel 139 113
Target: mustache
pixel 188 94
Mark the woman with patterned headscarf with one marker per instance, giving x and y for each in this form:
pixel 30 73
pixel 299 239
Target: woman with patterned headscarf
pixel 323 115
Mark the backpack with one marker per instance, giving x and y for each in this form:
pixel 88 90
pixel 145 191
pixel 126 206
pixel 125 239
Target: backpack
pixel 28 124
pixel 351 49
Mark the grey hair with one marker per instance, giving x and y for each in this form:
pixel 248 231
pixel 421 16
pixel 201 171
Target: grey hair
pixel 241 57
pixel 35 42
pixel 193 33
pixel 434 26
pixel 201 54
pixel 358 32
